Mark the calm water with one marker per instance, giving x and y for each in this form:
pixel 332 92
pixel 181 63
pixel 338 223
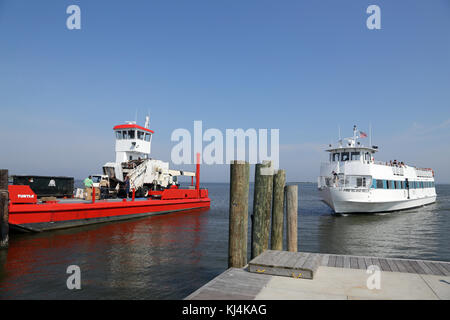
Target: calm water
pixel 170 256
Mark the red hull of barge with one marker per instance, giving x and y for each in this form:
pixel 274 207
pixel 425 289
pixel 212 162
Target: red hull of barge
pixel 27 215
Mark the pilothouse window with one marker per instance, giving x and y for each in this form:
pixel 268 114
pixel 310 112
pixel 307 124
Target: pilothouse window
pixel 336 156
pixel 345 156
pixel 356 156
pixel 131 134
pixel 140 135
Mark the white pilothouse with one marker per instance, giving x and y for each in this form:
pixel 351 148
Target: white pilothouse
pixel 353 182
pixel 133 146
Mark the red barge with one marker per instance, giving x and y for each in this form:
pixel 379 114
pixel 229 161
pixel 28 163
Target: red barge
pixel 151 180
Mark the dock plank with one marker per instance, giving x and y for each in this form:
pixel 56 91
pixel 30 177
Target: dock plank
pixel 368 261
pixel 339 262
pixel 417 267
pixel 347 262
pixel 332 261
pixel 401 266
pixel 384 265
pixel 436 270
pixel 409 267
pixel 353 262
pixel 446 265
pixel 441 266
pixel 424 267
pixel 376 262
pixel 392 265
pixel 362 263
pixel 325 258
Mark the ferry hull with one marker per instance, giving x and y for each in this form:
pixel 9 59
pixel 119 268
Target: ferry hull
pixel 340 203
pixel 44 217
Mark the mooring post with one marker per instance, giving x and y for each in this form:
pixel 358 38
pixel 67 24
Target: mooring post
pixel 292 216
pixel 133 196
pixel 238 226
pixel 4 209
pixel 279 180
pixel 262 208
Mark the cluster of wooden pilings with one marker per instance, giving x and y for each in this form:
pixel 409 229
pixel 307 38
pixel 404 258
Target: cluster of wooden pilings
pixel 4 209
pixel 271 196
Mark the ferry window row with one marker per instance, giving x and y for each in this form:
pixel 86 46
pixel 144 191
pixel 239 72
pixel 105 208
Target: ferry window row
pixel 395 184
pixel 349 156
pixel 131 134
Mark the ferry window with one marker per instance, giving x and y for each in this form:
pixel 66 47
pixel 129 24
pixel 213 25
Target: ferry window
pixel 392 186
pixel 96 179
pixel 388 184
pixel 374 184
pixel 131 134
pixel 361 182
pixel 345 156
pixel 125 135
pixel 356 155
pixel 395 186
pixel 335 156
pixel 379 184
pixel 147 137
pixel 118 135
pixel 140 135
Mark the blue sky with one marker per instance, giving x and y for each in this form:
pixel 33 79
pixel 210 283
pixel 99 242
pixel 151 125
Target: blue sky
pixel 304 67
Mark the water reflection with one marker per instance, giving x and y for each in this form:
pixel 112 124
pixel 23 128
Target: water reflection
pixel 138 258
pixel 414 233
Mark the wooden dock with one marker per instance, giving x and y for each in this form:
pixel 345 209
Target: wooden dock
pixel 303 275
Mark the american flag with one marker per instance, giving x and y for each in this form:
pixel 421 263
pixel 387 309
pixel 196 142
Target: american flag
pixel 362 134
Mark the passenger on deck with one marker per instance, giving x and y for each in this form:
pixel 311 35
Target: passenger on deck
pixel 127 186
pixel 88 184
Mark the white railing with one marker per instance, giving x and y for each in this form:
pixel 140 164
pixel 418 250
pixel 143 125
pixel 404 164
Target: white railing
pixel 424 173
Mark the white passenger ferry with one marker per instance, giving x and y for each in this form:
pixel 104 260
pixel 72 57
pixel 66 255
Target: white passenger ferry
pixel 353 182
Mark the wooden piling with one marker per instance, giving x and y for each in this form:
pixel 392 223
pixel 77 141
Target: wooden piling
pixel 262 205
pixel 292 216
pixel 238 226
pixel 279 180
pixel 4 209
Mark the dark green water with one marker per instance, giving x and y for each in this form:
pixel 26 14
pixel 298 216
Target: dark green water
pixel 170 256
